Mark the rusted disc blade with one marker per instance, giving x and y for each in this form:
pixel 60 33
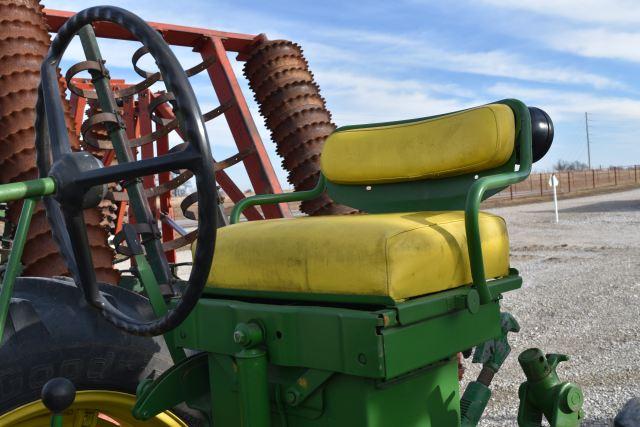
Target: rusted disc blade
pixel 295 113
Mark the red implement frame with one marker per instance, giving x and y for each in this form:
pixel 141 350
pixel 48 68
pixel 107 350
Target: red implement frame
pixel 209 43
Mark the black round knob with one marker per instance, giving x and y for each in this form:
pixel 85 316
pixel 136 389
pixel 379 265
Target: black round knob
pixel 541 132
pixel 58 394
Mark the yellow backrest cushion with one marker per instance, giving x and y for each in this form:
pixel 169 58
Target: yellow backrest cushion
pixel 464 142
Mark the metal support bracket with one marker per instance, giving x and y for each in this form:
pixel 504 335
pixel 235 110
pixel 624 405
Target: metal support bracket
pixel 186 381
pixel 304 386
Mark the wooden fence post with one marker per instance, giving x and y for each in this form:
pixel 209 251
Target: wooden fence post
pixel 635 173
pixel 540 175
pixel 593 177
pixel 569 181
pixel 615 176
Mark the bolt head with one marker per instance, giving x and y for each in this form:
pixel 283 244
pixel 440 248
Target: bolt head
pixel 290 397
pixel 574 399
pixel 239 337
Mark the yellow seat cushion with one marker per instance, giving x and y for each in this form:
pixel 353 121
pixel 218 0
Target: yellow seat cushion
pixel 454 144
pixel 397 255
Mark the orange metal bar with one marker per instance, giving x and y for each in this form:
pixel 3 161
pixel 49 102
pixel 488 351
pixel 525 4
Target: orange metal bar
pixel 168 233
pixel 78 104
pixel 174 34
pixel 227 184
pixel 244 131
pixel 146 151
pixel 211 42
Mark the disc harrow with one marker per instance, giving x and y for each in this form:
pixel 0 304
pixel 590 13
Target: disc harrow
pixel 24 41
pixel 295 113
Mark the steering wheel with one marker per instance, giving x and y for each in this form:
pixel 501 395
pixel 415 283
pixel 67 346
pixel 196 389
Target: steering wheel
pixel 81 178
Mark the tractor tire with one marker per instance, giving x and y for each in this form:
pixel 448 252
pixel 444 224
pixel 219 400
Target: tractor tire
pixel 629 415
pixel 52 332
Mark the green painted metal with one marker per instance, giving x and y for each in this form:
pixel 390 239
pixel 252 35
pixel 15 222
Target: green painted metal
pixel 156 269
pixel 13 267
pixel 426 397
pixel 27 189
pixel 441 337
pixel 251 363
pixel 158 304
pixel 373 342
pixel 269 199
pixel 473 403
pixel 492 354
pixel 186 381
pixel 305 386
pixel 120 142
pixel 344 299
pixel 455 299
pixel 327 338
pixel 56 420
pixel 498 286
pixel 496 182
pixel 543 394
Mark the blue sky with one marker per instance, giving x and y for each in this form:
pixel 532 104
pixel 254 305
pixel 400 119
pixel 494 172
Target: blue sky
pixel 381 61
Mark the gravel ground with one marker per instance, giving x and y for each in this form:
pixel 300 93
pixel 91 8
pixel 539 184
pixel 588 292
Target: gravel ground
pixel 581 297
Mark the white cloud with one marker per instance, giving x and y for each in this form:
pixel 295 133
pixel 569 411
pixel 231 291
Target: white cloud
pixel 570 105
pixel 357 98
pixel 421 52
pixel 597 43
pixel 595 11
pixel 610 30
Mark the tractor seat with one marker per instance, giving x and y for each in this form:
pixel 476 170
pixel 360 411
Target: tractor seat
pixel 391 254
pixel 396 255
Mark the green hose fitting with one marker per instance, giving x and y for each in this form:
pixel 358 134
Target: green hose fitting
pixel 492 355
pixel 474 401
pixel 544 394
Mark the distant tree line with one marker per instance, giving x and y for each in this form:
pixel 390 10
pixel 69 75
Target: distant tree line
pixel 564 165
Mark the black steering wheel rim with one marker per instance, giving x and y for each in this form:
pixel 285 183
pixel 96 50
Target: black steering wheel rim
pixel 52 145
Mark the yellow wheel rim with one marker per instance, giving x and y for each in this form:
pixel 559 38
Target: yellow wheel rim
pixel 92 408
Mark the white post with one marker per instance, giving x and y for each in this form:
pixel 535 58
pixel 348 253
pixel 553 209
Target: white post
pixel 553 182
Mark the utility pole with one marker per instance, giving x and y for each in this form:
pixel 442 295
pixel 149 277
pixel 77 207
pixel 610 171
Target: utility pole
pixel 586 125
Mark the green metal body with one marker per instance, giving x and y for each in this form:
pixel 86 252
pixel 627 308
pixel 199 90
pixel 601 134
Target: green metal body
pixel 253 387
pixel 543 394
pixel 187 380
pixel 342 364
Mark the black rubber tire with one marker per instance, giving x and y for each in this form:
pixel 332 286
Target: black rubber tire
pixel 629 415
pixel 52 332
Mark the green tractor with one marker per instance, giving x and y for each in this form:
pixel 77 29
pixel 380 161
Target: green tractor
pixel 353 320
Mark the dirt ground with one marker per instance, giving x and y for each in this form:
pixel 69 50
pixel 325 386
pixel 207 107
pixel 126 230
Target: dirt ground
pixel 581 297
